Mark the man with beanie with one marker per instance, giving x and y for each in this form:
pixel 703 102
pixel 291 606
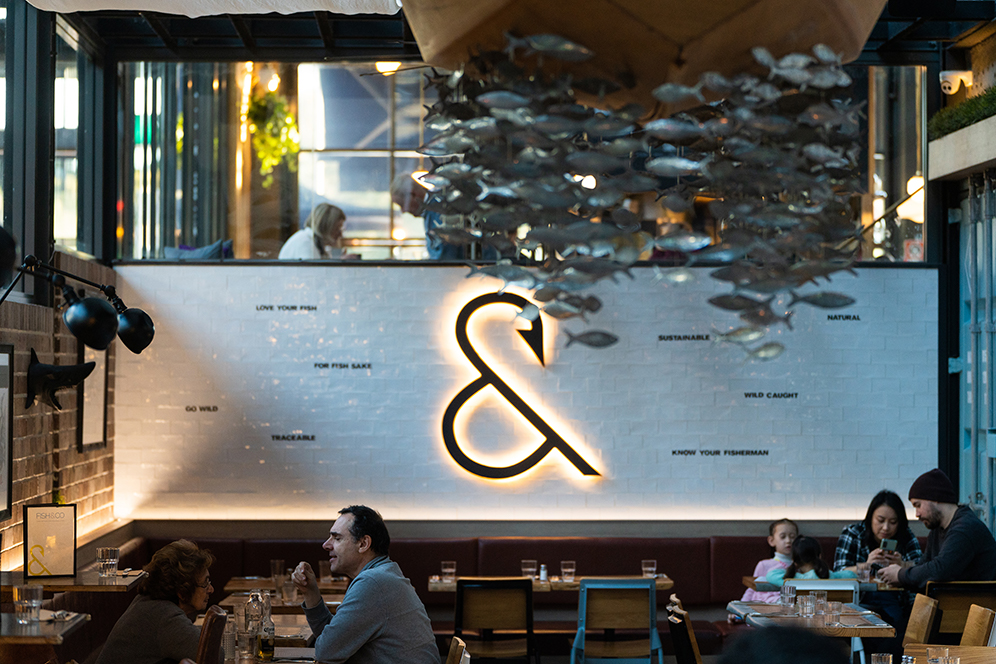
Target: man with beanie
pixel 959 546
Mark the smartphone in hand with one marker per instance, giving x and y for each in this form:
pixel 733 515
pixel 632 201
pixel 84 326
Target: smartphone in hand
pixel 888 545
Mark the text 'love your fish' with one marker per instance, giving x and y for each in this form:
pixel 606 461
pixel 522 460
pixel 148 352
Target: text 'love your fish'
pixel 286 307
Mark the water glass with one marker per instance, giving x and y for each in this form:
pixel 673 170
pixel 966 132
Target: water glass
pixel 529 568
pixel 448 568
pixel 936 654
pixel 882 658
pixel 229 640
pixel 107 560
pixel 27 603
pixel 807 605
pixel 325 571
pixel 649 568
pixel 834 609
pixel 567 568
pixel 246 644
pixel 787 598
pixel 864 575
pixel 289 592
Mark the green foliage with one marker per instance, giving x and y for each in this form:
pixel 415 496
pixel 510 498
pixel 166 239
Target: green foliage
pixel 970 111
pixel 274 133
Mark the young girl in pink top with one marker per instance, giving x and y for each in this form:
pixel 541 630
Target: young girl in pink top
pixel 781 534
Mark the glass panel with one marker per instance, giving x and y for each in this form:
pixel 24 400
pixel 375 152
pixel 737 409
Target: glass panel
pixel 3 96
pixel 896 202
pixel 66 120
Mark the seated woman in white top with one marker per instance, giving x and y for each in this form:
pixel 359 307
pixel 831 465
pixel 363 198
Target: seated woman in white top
pixel 321 236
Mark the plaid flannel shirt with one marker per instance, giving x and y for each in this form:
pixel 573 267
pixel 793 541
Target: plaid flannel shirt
pixel 853 549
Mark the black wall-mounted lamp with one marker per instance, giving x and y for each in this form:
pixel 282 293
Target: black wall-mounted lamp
pixel 92 320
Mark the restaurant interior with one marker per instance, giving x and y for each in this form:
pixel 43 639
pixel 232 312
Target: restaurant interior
pixel 155 164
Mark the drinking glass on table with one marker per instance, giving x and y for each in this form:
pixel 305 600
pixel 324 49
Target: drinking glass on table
pixel 529 568
pixel 448 568
pixel 567 568
pixel 834 609
pixel 787 598
pixel 807 605
pixel 325 571
pixel 107 560
pixel 649 568
pixel 882 658
pixel 821 601
pixel 27 603
pixel 289 591
pixel 936 654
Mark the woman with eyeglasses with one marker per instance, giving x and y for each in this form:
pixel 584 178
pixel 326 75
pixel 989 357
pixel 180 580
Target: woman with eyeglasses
pixel 158 626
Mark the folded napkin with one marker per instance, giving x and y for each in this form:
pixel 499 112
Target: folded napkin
pixel 51 616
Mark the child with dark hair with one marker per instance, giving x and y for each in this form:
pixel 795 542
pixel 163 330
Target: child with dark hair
pixel 781 534
pixel 807 563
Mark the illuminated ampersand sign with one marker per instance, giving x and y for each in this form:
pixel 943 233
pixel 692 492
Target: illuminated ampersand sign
pixel 534 337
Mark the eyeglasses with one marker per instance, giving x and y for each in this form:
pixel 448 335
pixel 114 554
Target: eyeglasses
pixel 205 585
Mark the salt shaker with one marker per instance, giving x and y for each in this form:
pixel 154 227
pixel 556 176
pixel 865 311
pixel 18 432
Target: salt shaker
pixel 543 576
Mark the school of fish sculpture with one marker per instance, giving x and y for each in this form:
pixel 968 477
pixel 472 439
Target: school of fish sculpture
pixel 522 167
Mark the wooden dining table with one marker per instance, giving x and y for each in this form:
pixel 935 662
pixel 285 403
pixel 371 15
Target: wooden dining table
pixel 291 629
pixel 850 625
pixel 290 654
pixel 280 606
pixel 85 581
pixel 34 643
pixel 238 584
pixel 438 585
pixel 968 654
pixel 743 609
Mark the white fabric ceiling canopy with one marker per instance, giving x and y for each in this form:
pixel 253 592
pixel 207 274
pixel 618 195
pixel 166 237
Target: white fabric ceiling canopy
pixel 195 8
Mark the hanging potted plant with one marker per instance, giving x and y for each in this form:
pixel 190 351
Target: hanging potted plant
pixel 274 132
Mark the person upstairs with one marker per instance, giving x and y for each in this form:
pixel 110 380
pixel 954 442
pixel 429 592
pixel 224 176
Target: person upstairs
pixel 781 534
pixel 381 620
pixel 321 236
pixel 807 563
pixel 959 546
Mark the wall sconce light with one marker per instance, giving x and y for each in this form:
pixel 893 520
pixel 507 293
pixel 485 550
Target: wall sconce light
pixel 92 320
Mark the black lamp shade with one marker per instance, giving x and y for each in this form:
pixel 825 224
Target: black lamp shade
pixel 93 321
pixel 135 329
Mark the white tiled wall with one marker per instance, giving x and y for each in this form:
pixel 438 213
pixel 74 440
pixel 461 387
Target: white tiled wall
pixel 865 416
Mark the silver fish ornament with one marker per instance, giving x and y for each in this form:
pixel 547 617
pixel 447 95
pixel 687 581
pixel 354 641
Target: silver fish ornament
pixel 823 300
pixel 671 93
pixel 503 99
pixel 512 275
pixel 768 351
pixel 669 129
pixel 551 45
pixel 684 241
pixel 741 335
pixel 592 338
pixel 673 166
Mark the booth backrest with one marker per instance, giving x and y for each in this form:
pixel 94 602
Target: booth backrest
pixel 419 559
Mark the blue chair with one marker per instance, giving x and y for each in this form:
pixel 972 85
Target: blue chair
pixel 613 604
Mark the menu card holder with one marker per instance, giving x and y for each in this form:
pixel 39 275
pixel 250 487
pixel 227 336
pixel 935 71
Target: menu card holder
pixel 49 540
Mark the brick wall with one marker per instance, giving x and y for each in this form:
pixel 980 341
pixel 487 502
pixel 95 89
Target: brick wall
pixel 46 459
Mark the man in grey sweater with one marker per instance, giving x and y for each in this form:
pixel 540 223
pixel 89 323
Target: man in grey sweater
pixel 959 546
pixel 381 620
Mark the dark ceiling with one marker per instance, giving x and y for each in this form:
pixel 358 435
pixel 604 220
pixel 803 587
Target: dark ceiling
pixel 305 37
pixel 903 34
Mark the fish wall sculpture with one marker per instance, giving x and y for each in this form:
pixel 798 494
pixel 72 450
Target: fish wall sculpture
pixel 520 165
pixel 44 380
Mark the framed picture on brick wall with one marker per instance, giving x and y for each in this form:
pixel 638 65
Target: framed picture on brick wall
pixel 49 540
pixel 91 413
pixel 6 428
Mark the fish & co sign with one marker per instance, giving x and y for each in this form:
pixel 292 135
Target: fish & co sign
pixel 534 338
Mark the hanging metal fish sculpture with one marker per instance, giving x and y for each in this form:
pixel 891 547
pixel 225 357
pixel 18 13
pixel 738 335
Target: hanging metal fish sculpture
pixel 527 168
pixel 44 380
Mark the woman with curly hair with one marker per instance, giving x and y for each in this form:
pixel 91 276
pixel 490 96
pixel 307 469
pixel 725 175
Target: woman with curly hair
pixel 158 626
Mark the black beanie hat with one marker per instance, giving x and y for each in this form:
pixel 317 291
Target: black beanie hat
pixel 935 486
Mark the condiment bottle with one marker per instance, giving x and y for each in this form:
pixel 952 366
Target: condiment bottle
pixel 543 576
pixel 267 632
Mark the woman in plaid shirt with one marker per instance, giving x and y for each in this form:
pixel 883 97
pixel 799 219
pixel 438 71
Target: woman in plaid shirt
pixel 858 548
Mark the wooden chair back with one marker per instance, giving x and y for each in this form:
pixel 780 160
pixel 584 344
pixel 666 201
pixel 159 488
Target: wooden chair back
pixel 494 604
pixel 213 629
pixel 978 627
pixel 955 599
pixel 457 647
pixel 500 613
pixel 686 648
pixel 611 604
pixel 922 619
